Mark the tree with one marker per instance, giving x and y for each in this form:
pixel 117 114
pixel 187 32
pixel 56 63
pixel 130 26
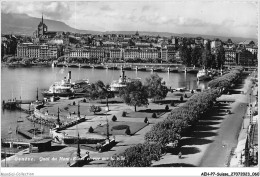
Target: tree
pixel 145 120
pixel 154 115
pixel 114 118
pixel 94 109
pixel 196 55
pixel 101 91
pixel 124 114
pixel 155 87
pixel 185 54
pixel 166 107
pixel 181 98
pixel 134 94
pixel 90 130
pixel 128 131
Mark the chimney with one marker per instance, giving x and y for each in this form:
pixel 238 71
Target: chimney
pixel 69 76
pixel 123 75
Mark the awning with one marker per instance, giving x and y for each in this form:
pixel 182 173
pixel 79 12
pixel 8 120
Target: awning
pixel 255 118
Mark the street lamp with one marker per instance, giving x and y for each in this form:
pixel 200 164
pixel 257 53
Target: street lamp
pixel 250 110
pixel 243 122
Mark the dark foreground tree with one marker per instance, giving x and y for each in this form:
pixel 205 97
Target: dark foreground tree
pixel 134 94
pixel 156 88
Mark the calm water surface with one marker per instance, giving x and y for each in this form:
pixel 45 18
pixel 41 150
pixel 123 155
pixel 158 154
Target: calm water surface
pixel 16 82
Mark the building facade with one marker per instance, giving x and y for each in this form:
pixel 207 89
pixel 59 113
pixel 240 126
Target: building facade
pixel 131 53
pixel 230 57
pixel 115 53
pixel 148 54
pixel 35 51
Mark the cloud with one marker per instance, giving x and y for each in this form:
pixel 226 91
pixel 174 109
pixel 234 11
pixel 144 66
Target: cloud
pixel 146 8
pixel 52 10
pixel 106 8
pixel 190 22
pixel 178 16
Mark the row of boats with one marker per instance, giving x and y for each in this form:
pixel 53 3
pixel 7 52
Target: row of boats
pixel 67 88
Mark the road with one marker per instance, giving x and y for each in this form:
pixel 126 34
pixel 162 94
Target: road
pixel 218 153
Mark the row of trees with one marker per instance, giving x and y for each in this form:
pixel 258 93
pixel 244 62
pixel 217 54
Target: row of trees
pixel 180 121
pixel 169 130
pixel 224 81
pixel 202 56
pixel 12 59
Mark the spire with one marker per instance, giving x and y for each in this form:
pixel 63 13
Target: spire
pixel 42 18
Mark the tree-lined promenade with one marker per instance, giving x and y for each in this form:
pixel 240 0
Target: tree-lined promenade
pixel 180 121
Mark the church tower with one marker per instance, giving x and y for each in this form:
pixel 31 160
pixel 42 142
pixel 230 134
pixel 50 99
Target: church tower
pixel 42 28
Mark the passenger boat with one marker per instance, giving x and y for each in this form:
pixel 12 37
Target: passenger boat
pixel 203 75
pixel 116 85
pixel 66 88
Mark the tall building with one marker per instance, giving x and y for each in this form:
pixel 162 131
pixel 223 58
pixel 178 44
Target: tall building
pixel 231 57
pixel 31 50
pixel 42 28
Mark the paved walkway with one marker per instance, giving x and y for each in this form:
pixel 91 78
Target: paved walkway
pixel 215 137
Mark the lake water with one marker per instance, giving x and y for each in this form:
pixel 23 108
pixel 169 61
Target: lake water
pixel 16 82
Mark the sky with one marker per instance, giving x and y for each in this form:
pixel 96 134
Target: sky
pixel 223 18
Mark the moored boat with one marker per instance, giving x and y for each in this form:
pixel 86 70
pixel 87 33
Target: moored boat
pixel 66 88
pixel 203 75
pixel 116 85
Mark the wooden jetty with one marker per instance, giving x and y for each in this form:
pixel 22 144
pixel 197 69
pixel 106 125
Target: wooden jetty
pixel 25 134
pixel 14 104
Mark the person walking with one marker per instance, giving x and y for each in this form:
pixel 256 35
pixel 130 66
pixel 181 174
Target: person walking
pixel 180 154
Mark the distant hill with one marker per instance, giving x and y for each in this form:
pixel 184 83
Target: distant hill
pixel 168 34
pixel 24 24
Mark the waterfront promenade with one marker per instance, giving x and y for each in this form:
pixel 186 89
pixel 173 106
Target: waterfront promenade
pixel 215 137
pixel 218 133
pixel 123 141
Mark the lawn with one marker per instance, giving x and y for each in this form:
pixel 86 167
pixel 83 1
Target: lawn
pixel 146 113
pixel 119 128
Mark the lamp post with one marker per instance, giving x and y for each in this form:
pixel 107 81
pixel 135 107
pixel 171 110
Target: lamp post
pixel 243 122
pixel 250 110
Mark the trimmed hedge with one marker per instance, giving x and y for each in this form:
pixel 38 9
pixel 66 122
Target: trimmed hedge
pixel 140 155
pixel 181 119
pixel 226 80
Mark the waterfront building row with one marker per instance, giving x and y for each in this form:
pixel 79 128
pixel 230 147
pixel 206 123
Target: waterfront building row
pixel 31 50
pixel 116 53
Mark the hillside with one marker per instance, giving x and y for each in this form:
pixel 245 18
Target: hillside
pixel 24 24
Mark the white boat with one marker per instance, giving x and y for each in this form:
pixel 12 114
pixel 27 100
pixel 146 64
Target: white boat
pixel 203 75
pixel 66 88
pixel 116 85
